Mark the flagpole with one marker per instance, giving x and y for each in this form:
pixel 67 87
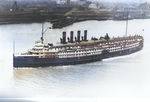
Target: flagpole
pixel 142 31
pixel 126 26
pixel 14 47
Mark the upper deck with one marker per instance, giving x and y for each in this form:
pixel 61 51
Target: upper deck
pixel 41 48
pixel 102 41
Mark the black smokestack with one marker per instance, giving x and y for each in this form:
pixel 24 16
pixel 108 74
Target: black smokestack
pixel 71 36
pixel 64 37
pixel 85 35
pixel 78 36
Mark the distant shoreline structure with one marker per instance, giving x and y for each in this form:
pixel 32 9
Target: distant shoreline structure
pixel 63 16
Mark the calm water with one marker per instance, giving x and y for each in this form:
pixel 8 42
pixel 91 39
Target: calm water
pixel 125 76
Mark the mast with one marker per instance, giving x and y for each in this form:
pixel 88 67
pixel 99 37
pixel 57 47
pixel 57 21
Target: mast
pixel 13 47
pixel 15 5
pixel 126 26
pixel 42 33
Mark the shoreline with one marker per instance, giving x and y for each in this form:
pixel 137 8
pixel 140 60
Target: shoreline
pixel 58 19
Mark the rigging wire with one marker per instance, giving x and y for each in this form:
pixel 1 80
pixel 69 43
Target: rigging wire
pixel 27 41
pixel 30 39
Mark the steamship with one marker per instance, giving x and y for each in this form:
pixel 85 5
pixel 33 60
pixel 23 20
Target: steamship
pixel 77 50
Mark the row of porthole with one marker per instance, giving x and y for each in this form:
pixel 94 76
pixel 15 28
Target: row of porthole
pixel 131 45
pixel 122 48
pixel 81 51
pixel 78 54
pixel 65 48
